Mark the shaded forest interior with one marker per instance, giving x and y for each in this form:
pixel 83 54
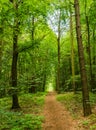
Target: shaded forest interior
pixel 47 46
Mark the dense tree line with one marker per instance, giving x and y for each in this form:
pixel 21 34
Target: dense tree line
pixel 38 45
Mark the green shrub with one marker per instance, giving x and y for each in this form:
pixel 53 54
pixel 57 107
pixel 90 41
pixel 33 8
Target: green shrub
pixel 28 118
pixel 19 121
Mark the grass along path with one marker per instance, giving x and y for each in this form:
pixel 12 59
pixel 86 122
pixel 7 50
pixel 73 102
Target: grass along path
pixel 73 103
pixel 64 114
pixel 28 118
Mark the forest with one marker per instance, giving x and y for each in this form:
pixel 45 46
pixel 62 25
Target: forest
pixel 47 51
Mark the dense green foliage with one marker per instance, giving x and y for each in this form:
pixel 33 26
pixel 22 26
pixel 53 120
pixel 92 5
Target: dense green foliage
pixel 28 118
pixel 37 44
pixel 38 47
pixel 73 103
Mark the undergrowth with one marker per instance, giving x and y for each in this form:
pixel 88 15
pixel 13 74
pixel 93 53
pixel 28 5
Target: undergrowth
pixel 29 118
pixel 73 103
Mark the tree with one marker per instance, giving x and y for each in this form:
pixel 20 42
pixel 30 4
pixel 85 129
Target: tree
pixel 85 92
pixel 92 27
pixel 58 23
pixel 88 46
pixel 72 50
pixel 58 44
pixel 15 103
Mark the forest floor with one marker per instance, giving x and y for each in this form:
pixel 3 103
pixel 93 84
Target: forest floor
pixel 56 116
pixel 64 112
pixel 47 111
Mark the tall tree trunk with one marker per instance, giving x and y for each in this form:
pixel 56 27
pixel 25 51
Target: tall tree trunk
pixel 58 42
pixel 72 51
pixel 88 45
pixel 85 91
pixel 94 60
pixel 15 103
pixel 89 51
pixel 32 88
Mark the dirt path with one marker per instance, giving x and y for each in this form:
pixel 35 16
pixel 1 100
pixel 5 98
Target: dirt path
pixel 56 117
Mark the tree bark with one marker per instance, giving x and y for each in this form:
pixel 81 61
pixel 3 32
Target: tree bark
pixel 88 48
pixel 89 51
pixel 94 60
pixel 32 89
pixel 72 51
pixel 15 103
pixel 85 91
pixel 58 42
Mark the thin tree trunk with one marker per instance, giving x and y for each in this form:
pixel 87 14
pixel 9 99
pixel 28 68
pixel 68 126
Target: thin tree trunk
pixel 58 42
pixel 94 61
pixel 72 51
pixel 85 91
pixel 89 51
pixel 15 103
pixel 88 45
pixel 32 88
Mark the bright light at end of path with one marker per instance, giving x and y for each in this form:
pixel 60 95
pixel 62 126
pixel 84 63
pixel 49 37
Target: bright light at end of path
pixel 50 87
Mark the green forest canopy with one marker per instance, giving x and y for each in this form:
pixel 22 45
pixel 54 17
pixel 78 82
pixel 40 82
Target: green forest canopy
pixel 38 46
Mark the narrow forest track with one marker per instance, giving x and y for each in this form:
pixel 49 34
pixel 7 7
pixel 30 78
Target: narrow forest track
pixel 56 116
